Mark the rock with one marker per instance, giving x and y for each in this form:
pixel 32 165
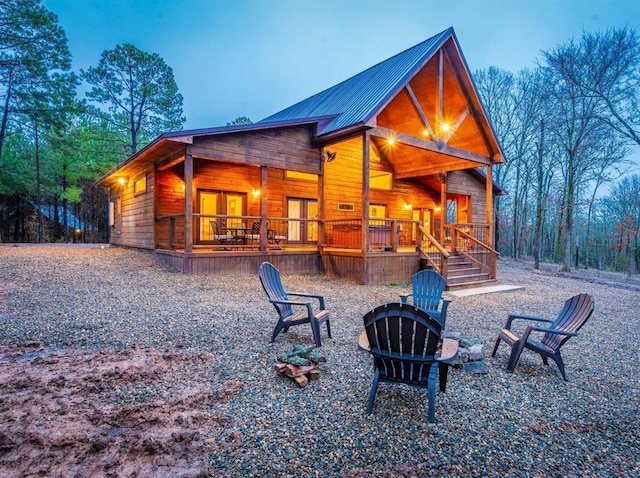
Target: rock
pixel 476 352
pixel 478 367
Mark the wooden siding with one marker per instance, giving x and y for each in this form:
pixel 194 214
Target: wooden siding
pixel 343 184
pixel 286 148
pixel 462 182
pixel 137 216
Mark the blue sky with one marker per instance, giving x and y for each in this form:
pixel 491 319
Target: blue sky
pixel 253 58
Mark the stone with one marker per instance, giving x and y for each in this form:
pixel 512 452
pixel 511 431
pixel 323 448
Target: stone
pixel 476 353
pixel 477 367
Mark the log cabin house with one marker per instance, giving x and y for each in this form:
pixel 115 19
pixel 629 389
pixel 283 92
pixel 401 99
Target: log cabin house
pixel 370 180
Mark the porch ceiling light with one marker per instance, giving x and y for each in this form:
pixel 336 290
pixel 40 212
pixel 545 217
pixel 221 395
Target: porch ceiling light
pixel 445 126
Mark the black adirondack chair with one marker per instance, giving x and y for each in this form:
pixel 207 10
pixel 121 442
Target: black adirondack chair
pixel 403 341
pixel 426 294
pixel 287 309
pixel 573 316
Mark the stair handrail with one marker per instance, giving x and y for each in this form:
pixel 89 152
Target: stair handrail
pixel 492 269
pixel 444 254
pixel 480 243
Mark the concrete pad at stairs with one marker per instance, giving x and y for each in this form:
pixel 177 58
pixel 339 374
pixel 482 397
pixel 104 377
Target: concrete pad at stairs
pixel 485 290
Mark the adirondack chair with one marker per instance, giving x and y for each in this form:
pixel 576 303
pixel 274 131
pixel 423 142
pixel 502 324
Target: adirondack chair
pixel 403 341
pixel 286 308
pixel 573 316
pixel 428 287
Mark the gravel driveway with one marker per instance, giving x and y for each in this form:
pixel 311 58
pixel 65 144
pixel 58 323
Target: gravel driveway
pixel 527 424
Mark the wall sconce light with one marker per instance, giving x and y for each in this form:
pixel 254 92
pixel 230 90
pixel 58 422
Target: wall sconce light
pixel 437 209
pixel 330 155
pixel 182 186
pixel 407 206
pixel 123 181
pixel 256 192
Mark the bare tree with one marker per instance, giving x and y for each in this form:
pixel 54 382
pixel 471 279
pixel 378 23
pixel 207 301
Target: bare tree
pixel 611 72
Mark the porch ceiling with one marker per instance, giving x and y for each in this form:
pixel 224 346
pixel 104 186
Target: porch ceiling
pixel 413 157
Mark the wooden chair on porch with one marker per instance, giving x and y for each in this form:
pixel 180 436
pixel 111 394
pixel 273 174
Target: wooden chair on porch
pixel 218 236
pixel 428 286
pixel 292 312
pixel 403 341
pixel 573 316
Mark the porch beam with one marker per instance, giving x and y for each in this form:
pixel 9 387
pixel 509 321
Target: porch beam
pixel 443 206
pixel 429 145
pixel 455 126
pixel 188 203
pixel 263 207
pixel 489 207
pixel 434 168
pixel 440 92
pixel 465 91
pixel 366 160
pixel 321 208
pixel 418 109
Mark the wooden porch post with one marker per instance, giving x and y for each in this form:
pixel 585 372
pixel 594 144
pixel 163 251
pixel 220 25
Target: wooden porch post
pixel 263 208
pixel 365 193
pixel 443 205
pixel 188 203
pixel 321 209
pixel 489 208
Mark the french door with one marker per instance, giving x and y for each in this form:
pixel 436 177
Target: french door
pixel 302 232
pixel 212 203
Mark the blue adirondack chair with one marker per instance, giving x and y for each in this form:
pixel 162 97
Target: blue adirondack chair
pixel 403 341
pixel 428 287
pixel 292 312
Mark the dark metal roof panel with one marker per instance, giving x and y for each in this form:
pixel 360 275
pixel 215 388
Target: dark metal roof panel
pixel 360 97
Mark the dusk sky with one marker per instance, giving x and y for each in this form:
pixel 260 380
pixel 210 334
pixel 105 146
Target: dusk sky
pixel 255 57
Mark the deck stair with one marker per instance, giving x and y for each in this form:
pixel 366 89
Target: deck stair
pixel 462 273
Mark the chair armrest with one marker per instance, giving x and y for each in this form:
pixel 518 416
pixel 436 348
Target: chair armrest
pixel 553 331
pixel 312 296
pixel 513 317
pixel 363 341
pixel 449 350
pixel 306 304
pixel 405 298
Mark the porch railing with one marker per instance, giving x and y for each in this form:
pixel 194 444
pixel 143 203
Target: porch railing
pixel 236 232
pixel 385 235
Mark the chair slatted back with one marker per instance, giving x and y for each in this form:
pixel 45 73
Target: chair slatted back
pixel 272 285
pixel 403 340
pixel 573 316
pixel 428 286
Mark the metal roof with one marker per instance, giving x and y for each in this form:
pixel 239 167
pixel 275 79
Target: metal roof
pixel 356 100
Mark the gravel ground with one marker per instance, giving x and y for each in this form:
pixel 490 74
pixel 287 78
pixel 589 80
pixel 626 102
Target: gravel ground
pixel 527 424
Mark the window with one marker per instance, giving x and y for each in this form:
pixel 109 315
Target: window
pixel 299 175
pixel 381 180
pixel 377 211
pixel 140 185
